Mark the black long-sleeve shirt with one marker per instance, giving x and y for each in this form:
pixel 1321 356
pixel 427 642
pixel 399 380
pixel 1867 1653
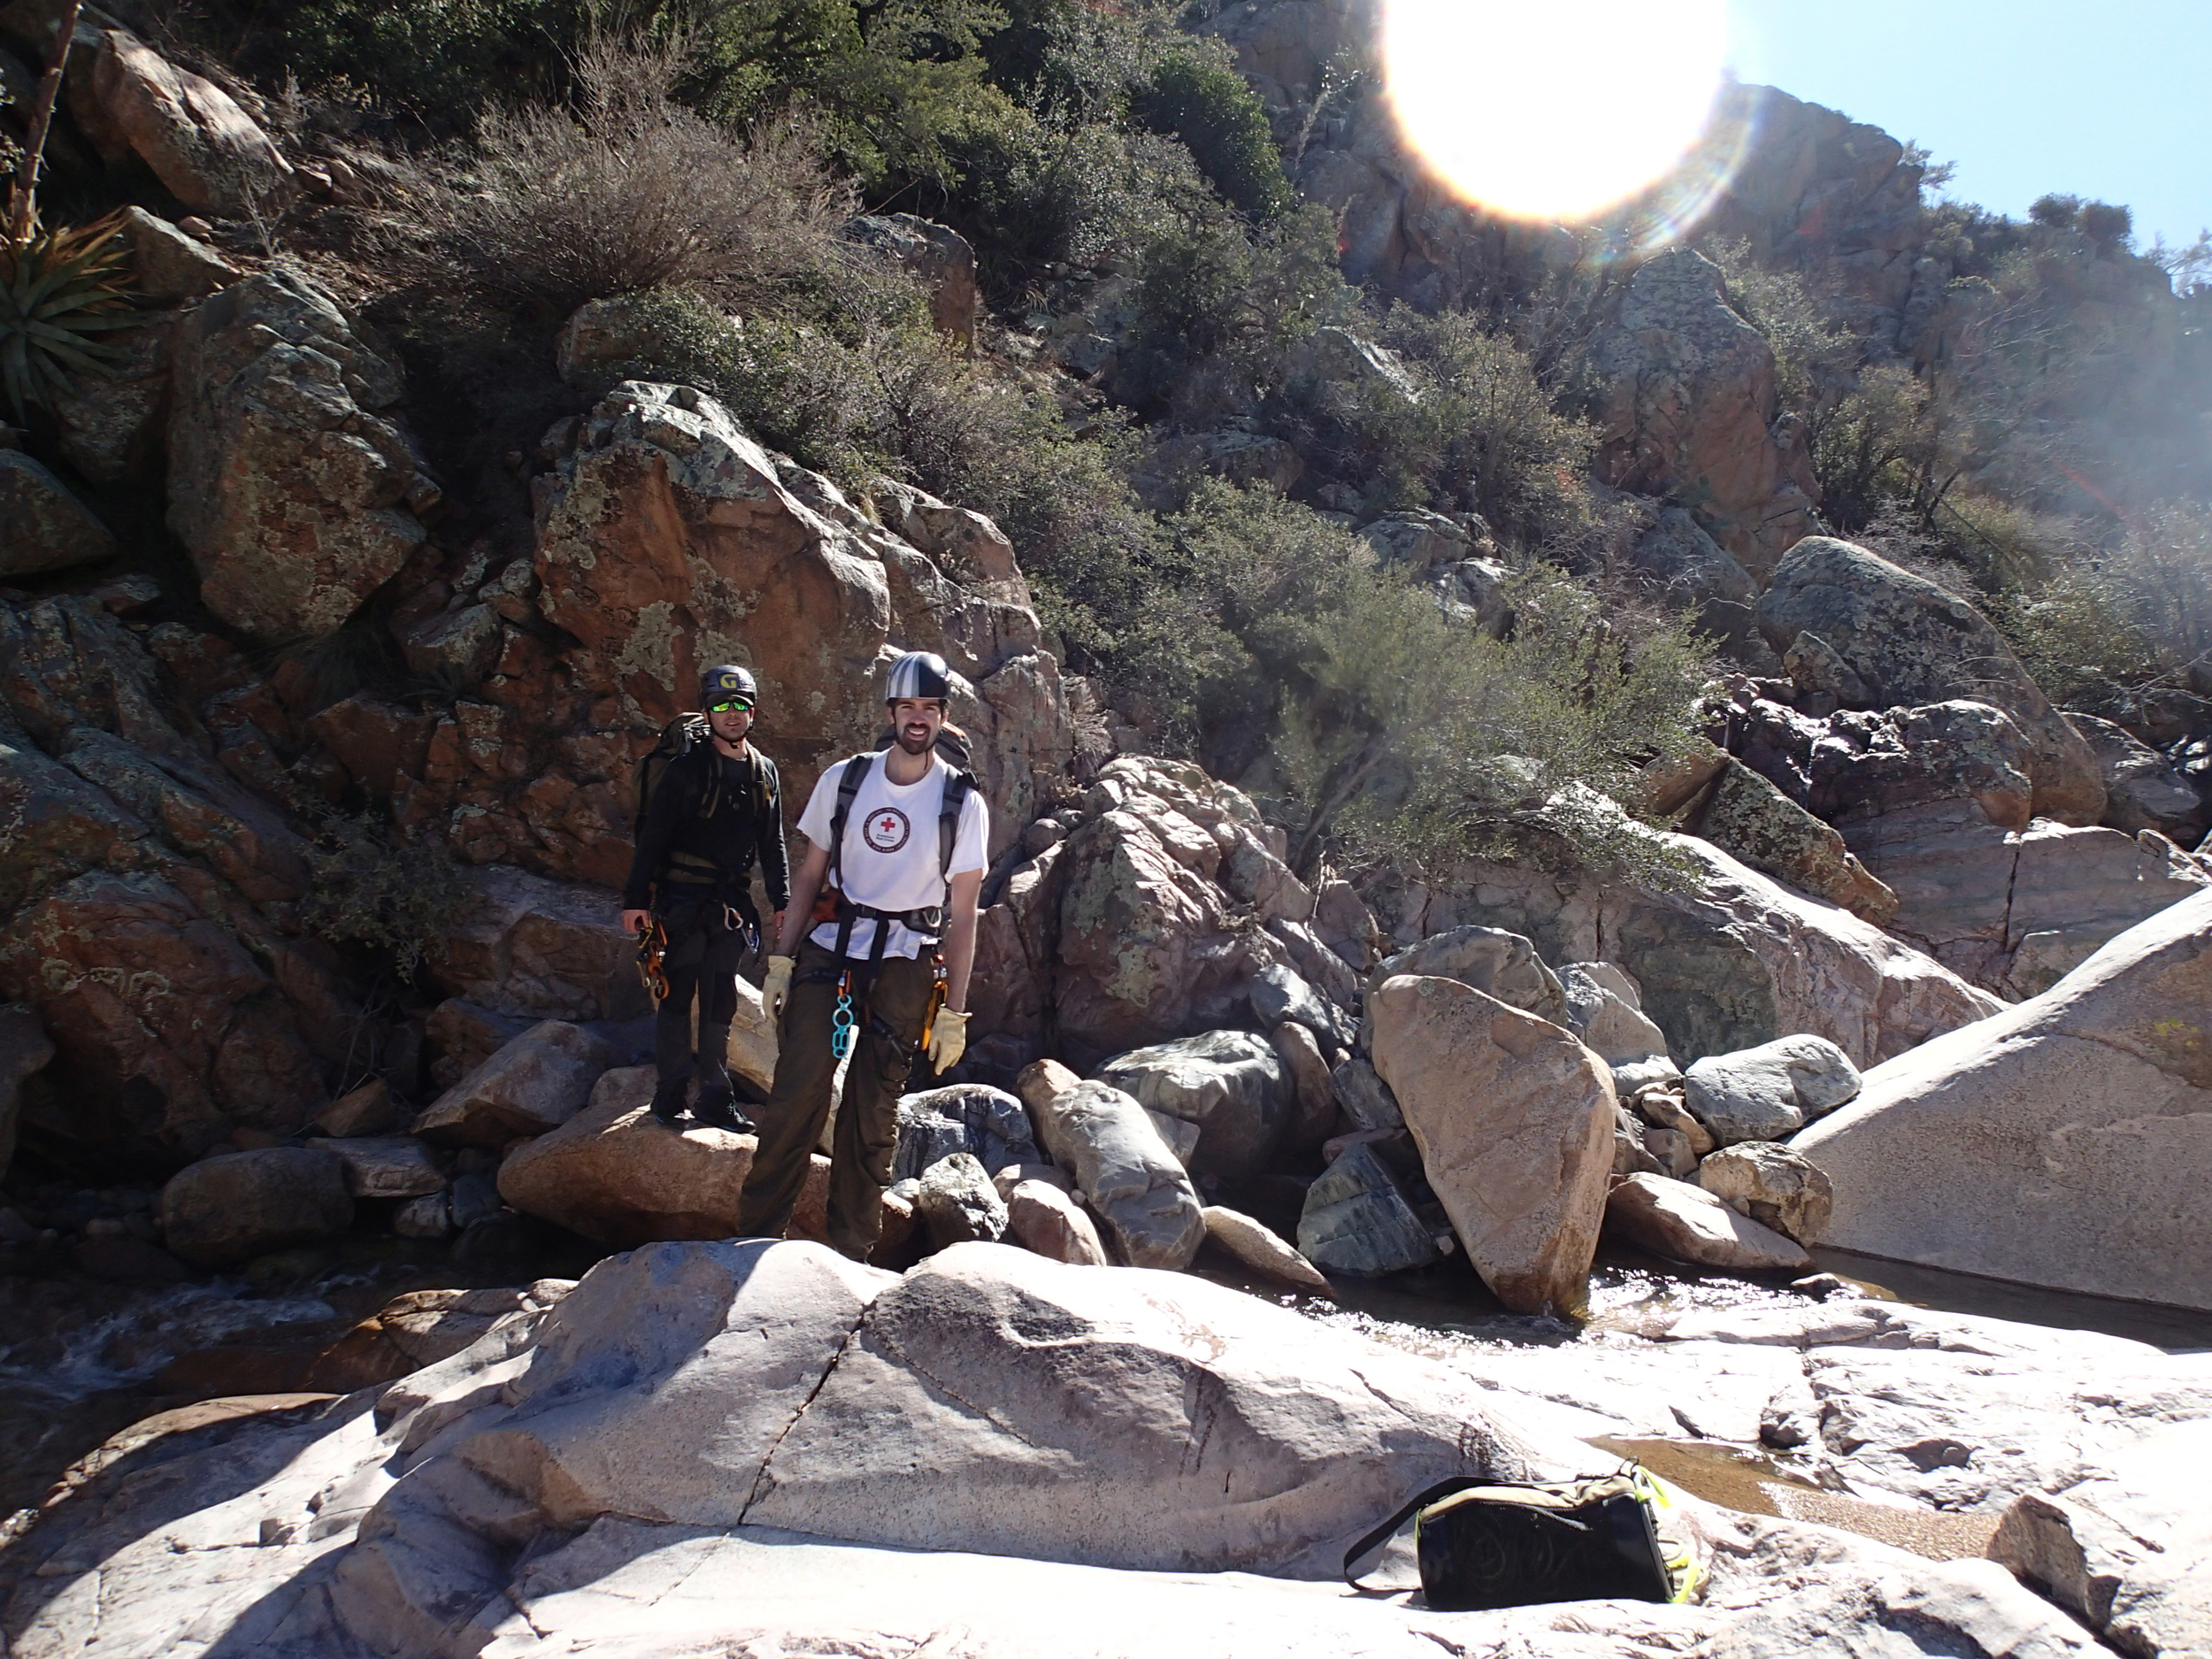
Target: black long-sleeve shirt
pixel 737 831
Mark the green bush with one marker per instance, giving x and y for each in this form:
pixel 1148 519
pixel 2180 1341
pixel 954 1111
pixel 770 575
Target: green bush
pixel 2116 623
pixel 1419 739
pixel 1811 352
pixel 1870 448
pixel 399 899
pixel 1206 104
pixel 433 58
pixel 1495 444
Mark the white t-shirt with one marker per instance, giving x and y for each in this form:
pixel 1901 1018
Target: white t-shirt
pixel 890 859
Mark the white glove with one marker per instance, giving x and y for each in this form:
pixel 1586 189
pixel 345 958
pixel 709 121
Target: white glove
pixel 775 986
pixel 947 1040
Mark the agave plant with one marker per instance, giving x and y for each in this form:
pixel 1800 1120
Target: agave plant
pixel 60 291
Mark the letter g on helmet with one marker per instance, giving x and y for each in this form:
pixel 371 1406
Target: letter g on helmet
pixel 918 674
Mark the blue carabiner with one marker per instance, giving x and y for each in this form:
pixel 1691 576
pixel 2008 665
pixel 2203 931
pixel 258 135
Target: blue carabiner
pixel 842 1024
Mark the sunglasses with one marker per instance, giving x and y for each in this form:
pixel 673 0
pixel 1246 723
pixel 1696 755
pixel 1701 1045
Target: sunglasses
pixel 730 705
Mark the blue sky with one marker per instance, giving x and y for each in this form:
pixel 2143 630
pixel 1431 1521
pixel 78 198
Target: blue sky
pixel 2109 100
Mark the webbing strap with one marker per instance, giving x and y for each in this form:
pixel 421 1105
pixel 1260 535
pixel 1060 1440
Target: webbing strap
pixel 1382 1534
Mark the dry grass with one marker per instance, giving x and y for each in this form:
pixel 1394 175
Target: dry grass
pixel 621 191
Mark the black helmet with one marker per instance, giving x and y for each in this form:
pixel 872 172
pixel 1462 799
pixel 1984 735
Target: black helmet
pixel 918 674
pixel 728 680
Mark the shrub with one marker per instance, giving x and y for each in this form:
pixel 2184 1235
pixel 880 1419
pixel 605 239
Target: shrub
pixel 367 891
pixel 2105 224
pixel 1866 448
pixel 1206 103
pixel 1499 446
pixel 2054 211
pixel 2112 624
pixel 631 192
pixel 1423 740
pixel 433 58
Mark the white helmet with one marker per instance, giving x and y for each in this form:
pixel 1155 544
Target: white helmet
pixel 918 674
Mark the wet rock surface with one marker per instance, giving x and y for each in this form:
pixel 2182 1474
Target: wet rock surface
pixel 720 1380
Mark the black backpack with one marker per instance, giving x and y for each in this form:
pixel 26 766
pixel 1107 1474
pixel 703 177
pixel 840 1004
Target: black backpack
pixel 677 739
pixel 1487 1544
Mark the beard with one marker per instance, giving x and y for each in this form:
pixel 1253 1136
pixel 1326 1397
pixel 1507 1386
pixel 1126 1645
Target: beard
pixel 910 743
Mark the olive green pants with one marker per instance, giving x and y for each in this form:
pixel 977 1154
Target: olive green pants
pixel 885 1040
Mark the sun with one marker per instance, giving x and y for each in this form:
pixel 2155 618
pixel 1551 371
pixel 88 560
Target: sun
pixel 1553 109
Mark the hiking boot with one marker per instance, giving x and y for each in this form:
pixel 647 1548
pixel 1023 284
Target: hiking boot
pixel 668 1103
pixel 716 1110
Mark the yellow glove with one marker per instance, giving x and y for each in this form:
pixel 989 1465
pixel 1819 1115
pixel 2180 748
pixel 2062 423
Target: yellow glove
pixel 947 1040
pixel 775 987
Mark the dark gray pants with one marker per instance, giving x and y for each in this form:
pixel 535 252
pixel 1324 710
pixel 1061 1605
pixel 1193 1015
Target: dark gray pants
pixel 704 956
pixel 867 1121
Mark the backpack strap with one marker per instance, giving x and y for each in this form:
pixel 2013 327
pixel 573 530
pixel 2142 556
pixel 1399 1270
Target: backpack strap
pixel 1374 1541
pixel 849 784
pixel 957 789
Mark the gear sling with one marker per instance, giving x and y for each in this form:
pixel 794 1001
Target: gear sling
pixel 854 977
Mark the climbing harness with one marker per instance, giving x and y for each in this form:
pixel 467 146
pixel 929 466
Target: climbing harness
pixel 856 977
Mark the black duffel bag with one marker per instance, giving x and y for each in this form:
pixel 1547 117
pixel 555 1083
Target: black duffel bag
pixel 1491 1544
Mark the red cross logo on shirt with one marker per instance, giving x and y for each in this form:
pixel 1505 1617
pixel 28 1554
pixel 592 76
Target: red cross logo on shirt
pixel 886 830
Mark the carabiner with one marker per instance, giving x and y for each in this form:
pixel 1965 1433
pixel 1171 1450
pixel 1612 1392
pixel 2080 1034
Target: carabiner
pixel 842 1021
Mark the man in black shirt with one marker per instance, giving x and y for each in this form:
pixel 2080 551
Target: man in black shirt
pixel 715 809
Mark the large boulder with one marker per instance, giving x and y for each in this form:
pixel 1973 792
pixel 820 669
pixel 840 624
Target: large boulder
pixel 1231 1084
pixel 524 944
pixel 2128 1550
pixel 42 527
pixel 208 153
pixel 1773 1186
pixel 1745 815
pixel 1767 1092
pixel 1496 962
pixel 1122 1168
pixel 1514 1119
pixel 1168 1424
pixel 1355 1220
pixel 295 495
pixel 223 1210
pixel 1605 1010
pixel 2014 910
pixel 2143 791
pixel 958 1204
pixel 1690 409
pixel 1910 641
pixel 1727 958
pixel 385 1166
pixel 1254 1245
pixel 988 1124
pixel 1042 1218
pixel 1146 947
pixel 1688 1224
pixel 936 256
pixel 616 1174
pixel 588 1482
pixel 534 1083
pixel 170 1034
pixel 667 541
pixel 2066 1141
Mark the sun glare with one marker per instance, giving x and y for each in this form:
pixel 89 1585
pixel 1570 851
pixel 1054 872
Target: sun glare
pixel 1553 109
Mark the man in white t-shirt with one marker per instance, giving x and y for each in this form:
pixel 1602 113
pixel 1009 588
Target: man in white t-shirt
pixel 860 970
